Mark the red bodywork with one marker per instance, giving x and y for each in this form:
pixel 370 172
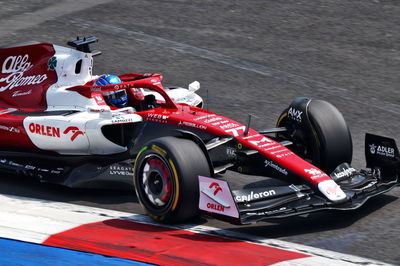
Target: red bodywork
pixel 25 76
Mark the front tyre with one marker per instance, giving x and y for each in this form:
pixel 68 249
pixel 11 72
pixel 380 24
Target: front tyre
pixel 319 133
pixel 166 178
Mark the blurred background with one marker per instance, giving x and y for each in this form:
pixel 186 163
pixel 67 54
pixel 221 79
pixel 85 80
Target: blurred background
pixel 252 57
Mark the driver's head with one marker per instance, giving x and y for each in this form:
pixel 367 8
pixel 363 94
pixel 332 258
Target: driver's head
pixel 117 98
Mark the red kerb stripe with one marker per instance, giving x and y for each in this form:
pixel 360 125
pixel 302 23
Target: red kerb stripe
pixel 165 246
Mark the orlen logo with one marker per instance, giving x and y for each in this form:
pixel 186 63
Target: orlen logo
pixel 75 132
pixel 216 187
pixel 44 130
pixel 54 132
pixel 15 67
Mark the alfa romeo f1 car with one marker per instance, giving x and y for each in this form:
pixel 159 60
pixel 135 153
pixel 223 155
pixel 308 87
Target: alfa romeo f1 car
pixel 55 125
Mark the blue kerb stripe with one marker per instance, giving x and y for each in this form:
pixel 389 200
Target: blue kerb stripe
pixel 13 252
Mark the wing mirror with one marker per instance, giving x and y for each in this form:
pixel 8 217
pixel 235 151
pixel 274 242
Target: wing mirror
pixel 194 86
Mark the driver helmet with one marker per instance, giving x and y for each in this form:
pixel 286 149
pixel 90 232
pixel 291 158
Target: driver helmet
pixel 117 98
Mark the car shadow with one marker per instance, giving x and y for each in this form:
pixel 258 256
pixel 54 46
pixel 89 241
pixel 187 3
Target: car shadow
pixel 30 187
pixel 315 222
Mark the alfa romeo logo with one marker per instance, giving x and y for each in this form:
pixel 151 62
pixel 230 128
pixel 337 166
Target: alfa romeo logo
pixel 52 63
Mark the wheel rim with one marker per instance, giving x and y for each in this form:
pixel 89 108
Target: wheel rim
pixel 156 181
pixel 302 147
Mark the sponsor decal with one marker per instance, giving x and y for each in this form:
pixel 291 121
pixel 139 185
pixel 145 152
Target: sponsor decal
pixel 266 144
pixel 283 150
pixel 235 131
pixel 10 129
pixel 121 119
pixel 215 207
pixel 267 212
pixel 295 114
pixel 204 117
pixel 121 170
pixel 52 63
pixel 215 186
pixel 231 152
pixel 15 67
pixel 255 195
pixel 215 196
pixel 21 93
pixel 75 132
pixel 276 167
pixel 345 172
pixel 372 148
pixel 190 124
pixel 381 150
pixel 54 132
pixel 99 100
pixel 230 125
pixel 155 81
pixel 287 153
pixel 315 173
pixel 44 130
pixel 219 205
pixel 220 122
pixel 273 148
pixel 261 139
pixel 331 190
pixel 252 136
pixel 211 120
pixel 26 167
pixel 157 118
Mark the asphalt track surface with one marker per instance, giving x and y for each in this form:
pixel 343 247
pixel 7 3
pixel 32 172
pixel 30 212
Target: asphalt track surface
pixel 250 57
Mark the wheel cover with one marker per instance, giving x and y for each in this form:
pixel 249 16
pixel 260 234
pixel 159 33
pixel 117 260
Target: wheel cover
pixel 156 179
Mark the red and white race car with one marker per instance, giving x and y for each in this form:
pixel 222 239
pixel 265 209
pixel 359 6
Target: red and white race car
pixel 56 125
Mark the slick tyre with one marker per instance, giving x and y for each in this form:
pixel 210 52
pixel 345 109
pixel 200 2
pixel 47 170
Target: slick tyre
pixel 166 178
pixel 325 141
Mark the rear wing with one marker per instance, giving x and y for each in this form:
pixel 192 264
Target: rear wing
pixel 83 45
pixel 381 153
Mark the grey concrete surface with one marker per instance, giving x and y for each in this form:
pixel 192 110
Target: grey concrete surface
pixel 250 57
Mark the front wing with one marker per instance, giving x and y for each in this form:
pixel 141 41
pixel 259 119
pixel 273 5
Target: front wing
pixel 265 203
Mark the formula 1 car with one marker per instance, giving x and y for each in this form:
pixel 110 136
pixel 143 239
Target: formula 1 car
pixel 55 125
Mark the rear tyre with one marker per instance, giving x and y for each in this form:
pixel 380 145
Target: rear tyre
pixel 166 178
pixel 320 135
